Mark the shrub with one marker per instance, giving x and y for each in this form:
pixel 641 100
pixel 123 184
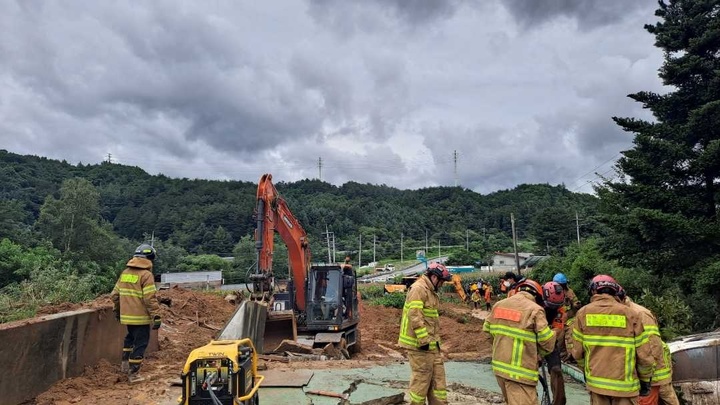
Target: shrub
pixel 393 300
pixel 371 291
pixel 673 314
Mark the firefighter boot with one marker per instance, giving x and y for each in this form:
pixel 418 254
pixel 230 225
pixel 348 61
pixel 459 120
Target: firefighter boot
pixel 125 364
pixel 134 375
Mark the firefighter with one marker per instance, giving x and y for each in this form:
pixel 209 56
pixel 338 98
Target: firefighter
pixel 520 332
pixel 661 391
pixel 572 304
pixel 136 306
pixel 420 334
pixel 610 343
pixel 554 299
pixel 512 280
pixel 488 295
pixel 475 298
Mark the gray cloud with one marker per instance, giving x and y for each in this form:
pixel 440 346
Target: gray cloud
pixel 383 91
pixel 588 13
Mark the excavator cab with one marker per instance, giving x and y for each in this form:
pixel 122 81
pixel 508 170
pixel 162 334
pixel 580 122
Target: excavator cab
pixel 331 311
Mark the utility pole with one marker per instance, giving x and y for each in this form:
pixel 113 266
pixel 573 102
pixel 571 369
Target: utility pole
pixel 517 258
pixel 360 253
pixel 327 237
pixel 467 240
pixel 577 226
pixel 109 157
pixel 320 168
pixel 438 247
pixel 334 251
pixel 427 252
pixel 374 240
pixel 401 246
pixel 455 159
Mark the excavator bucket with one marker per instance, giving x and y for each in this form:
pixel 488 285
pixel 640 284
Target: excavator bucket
pixel 279 326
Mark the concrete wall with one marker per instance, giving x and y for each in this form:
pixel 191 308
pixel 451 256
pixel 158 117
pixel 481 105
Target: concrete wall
pixel 36 353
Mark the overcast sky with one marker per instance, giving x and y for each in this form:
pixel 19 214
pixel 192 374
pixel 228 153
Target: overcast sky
pixel 384 91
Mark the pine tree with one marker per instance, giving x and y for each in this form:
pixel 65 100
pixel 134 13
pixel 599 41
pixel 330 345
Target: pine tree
pixel 663 207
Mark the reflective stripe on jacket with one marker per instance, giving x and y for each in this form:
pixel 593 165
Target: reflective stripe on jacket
pixel 610 341
pixel 660 351
pixel 520 333
pixel 134 293
pixel 420 324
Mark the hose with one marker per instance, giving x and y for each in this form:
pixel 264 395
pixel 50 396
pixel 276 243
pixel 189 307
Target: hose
pixel 209 380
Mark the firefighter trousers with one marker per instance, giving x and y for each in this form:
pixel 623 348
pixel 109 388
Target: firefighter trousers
pixel 136 341
pixel 597 399
pixel 516 393
pixel 557 382
pixel 427 380
pixel 668 395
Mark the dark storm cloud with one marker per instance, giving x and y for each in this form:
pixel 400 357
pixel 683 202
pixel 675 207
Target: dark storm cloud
pixel 347 17
pixel 152 60
pixel 588 13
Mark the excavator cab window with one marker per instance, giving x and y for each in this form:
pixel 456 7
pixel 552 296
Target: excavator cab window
pixel 326 295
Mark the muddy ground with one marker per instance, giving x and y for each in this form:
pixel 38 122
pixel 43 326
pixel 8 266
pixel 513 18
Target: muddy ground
pixel 192 320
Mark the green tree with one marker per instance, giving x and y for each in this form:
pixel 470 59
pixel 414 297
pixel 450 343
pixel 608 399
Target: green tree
pixel 663 209
pixel 69 220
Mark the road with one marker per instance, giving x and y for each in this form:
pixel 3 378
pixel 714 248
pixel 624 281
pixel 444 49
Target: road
pixel 410 271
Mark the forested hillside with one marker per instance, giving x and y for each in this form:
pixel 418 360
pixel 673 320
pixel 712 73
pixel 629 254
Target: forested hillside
pixel 210 217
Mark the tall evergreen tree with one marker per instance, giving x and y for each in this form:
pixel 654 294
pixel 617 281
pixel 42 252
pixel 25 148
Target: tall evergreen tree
pixel 663 207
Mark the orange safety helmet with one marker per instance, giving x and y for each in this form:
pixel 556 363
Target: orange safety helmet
pixel 604 284
pixel 439 270
pixel 553 294
pixel 532 287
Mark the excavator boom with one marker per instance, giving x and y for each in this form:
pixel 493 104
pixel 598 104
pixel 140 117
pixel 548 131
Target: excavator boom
pixel 273 215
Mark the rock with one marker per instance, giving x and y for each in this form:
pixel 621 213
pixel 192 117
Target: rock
pixel 293 347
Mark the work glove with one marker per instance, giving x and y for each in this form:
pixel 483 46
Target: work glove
pixel 156 323
pixel 425 347
pixel 644 389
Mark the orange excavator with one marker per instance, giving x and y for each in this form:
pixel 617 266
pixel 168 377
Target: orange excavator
pixel 319 303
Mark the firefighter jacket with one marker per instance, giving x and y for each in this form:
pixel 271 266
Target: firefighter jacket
pixel 660 351
pixel 572 303
pixel 134 293
pixel 556 318
pixel 609 339
pixel 520 333
pixel 420 324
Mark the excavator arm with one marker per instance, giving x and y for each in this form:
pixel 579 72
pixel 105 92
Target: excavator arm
pixel 457 282
pixel 273 215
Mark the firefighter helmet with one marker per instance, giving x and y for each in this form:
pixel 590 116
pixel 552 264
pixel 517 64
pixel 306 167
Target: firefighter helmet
pixel 145 251
pixel 439 270
pixel 560 278
pixel 553 294
pixel 530 286
pixel 604 284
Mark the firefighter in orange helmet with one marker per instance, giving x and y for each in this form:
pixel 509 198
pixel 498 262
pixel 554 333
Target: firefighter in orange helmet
pixel 520 333
pixel 661 390
pixel 420 335
pixel 611 344
pixel 554 299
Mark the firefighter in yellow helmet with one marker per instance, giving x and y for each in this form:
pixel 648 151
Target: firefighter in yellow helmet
pixel 136 306
pixel 520 334
pixel 609 341
pixel 661 383
pixel 420 335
